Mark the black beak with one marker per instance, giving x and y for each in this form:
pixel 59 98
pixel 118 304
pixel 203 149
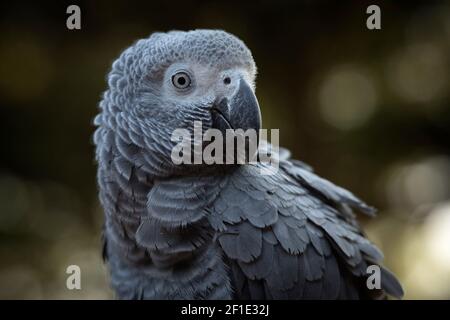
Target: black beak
pixel 239 112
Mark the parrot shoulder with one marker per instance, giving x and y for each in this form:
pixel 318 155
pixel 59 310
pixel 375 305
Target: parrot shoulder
pixel 283 240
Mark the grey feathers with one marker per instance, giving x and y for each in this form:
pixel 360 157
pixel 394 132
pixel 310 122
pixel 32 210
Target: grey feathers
pixel 214 232
pixel 305 251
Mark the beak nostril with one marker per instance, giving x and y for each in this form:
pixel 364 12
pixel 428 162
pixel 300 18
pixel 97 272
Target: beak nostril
pixel 227 80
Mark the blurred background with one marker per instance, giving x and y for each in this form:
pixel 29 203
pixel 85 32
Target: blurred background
pixel 369 110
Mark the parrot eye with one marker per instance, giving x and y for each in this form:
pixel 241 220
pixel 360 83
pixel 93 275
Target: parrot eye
pixel 181 80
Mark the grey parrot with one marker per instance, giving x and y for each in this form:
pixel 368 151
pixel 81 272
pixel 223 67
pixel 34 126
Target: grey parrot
pixel 215 231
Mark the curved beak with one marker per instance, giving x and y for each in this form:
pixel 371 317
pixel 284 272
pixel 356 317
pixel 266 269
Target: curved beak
pixel 241 111
pixel 241 114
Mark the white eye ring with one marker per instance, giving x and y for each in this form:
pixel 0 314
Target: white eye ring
pixel 181 80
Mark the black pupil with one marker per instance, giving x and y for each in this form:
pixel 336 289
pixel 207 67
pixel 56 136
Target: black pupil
pixel 181 80
pixel 227 80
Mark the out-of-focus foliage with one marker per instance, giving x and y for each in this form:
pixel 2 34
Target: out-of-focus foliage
pixel 368 110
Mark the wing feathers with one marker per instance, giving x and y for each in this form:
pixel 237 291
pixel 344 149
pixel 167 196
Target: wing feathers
pixel 285 242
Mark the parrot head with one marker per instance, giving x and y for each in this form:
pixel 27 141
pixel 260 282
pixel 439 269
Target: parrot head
pixel 169 80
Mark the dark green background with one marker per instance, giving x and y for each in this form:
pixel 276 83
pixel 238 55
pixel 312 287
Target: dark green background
pixel 368 110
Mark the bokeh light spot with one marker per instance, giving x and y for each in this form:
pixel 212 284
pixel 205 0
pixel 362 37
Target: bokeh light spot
pixel 420 183
pixel 347 98
pixel 419 73
pixel 26 68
